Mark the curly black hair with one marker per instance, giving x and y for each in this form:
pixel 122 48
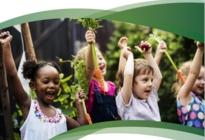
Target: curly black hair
pixel 30 68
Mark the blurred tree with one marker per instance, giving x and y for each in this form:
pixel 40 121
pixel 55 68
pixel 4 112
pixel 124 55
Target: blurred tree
pixel 181 49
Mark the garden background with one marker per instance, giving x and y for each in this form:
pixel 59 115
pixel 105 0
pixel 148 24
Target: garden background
pixel 63 38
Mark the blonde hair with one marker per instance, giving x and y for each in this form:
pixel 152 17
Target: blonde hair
pixel 81 54
pixel 141 66
pixel 184 69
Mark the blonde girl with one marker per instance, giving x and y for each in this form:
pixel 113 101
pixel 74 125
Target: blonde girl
pixel 190 105
pixel 100 107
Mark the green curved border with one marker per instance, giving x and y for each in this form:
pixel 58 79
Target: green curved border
pixel 185 19
pixel 141 127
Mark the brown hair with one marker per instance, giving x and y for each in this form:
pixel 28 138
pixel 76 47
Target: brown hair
pixel 184 69
pixel 141 66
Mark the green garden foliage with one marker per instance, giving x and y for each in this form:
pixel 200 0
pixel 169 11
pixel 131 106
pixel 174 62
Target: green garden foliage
pixel 180 49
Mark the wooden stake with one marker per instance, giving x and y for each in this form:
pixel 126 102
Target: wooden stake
pixel 28 41
pixel 5 98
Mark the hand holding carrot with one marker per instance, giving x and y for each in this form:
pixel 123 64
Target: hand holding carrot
pixel 80 95
pixel 161 47
pixel 90 36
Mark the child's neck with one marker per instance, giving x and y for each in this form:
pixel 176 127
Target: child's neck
pixel 42 104
pixel 47 109
pixel 135 96
pixel 198 95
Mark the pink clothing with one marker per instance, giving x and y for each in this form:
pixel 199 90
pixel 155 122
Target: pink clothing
pixel 89 102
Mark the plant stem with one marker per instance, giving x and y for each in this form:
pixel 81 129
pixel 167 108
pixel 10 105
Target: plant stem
pixel 84 106
pixel 170 59
pixel 94 55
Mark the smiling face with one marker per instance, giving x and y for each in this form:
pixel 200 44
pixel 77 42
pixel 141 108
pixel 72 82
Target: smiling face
pixel 47 84
pixel 102 65
pixel 199 83
pixel 142 85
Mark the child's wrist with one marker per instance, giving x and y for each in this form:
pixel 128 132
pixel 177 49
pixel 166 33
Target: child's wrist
pixel 159 53
pixel 6 44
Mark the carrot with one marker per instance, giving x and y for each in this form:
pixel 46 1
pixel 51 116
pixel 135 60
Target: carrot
pixel 87 116
pixel 100 79
pixel 180 76
pixel 97 71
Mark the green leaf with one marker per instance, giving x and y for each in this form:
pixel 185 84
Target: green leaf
pixel 67 111
pixel 20 113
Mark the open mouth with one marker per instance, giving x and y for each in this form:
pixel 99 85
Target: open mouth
pixel 50 95
pixel 102 68
pixel 201 87
pixel 147 91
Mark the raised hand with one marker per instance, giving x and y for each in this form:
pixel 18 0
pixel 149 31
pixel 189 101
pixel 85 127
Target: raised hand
pixel 200 45
pixel 122 42
pixel 161 46
pixel 90 36
pixel 5 38
pixel 126 52
pixel 148 50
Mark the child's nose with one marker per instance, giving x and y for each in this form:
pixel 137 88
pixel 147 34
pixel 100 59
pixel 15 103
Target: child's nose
pixel 150 83
pixel 51 85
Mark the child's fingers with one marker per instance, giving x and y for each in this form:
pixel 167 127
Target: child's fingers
pixel 123 39
pixel 138 48
pixel 5 33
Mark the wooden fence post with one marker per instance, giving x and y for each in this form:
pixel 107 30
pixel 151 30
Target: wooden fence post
pixel 28 41
pixel 5 98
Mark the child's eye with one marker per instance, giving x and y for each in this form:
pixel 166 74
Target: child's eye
pixel 152 80
pixel 57 82
pixel 45 82
pixel 145 80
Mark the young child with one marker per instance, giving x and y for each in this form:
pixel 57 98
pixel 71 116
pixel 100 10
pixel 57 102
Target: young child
pixel 139 80
pixel 190 105
pixel 42 121
pixel 100 107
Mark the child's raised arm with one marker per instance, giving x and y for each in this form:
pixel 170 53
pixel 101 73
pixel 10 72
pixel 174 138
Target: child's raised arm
pixel 19 94
pixel 128 75
pixel 160 50
pixel 90 37
pixel 157 74
pixel 122 44
pixel 184 93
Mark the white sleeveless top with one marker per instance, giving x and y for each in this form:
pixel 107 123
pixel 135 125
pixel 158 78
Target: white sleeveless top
pixel 40 127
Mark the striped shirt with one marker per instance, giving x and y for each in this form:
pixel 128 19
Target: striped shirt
pixel 138 109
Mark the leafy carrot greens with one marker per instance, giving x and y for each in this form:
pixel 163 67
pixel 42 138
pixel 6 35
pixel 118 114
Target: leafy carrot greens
pixel 89 22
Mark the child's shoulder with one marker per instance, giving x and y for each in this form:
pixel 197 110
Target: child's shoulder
pixel 110 83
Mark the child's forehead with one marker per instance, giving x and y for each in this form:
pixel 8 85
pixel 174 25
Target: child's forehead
pixel 98 53
pixel 46 70
pixel 145 73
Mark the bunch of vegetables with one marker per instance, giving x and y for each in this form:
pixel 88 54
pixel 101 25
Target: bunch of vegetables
pixel 157 38
pixel 94 24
